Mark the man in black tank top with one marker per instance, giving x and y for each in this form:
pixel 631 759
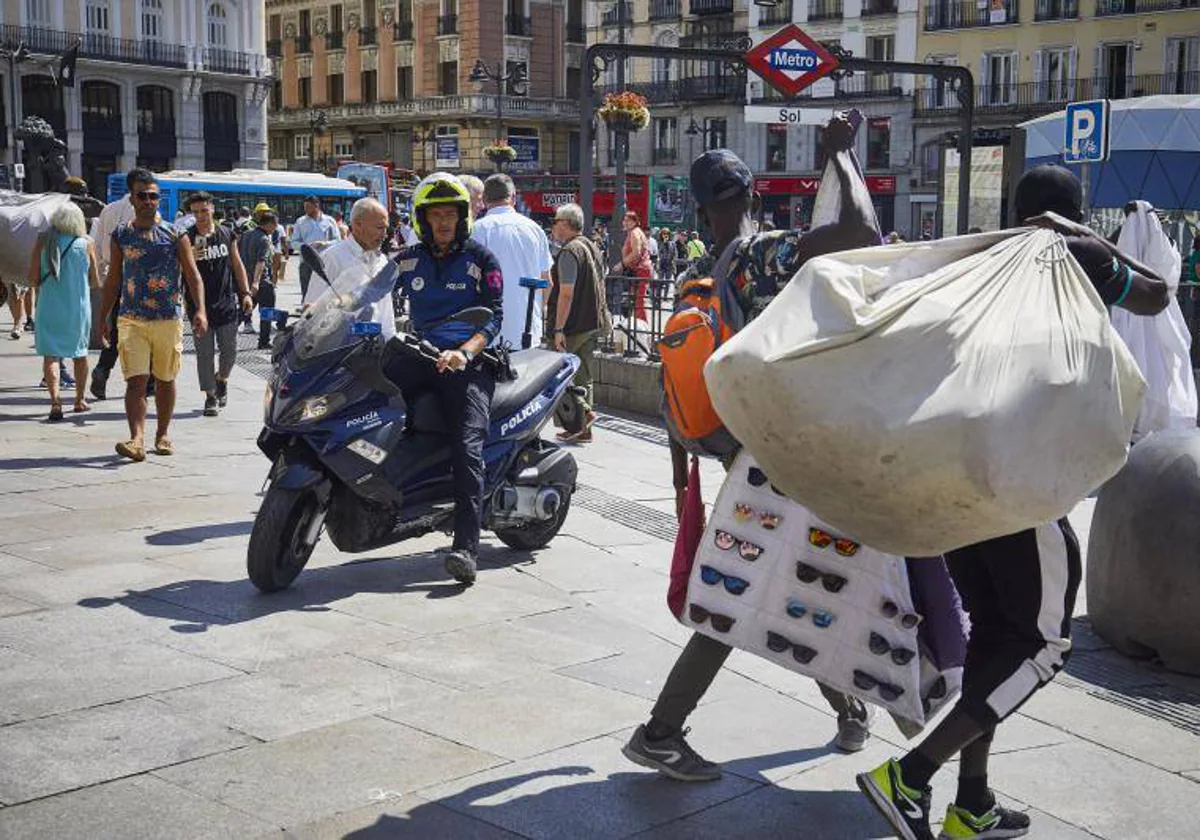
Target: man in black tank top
pixel 226 295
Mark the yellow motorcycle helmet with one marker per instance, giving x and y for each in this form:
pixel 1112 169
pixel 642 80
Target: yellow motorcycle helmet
pixel 441 188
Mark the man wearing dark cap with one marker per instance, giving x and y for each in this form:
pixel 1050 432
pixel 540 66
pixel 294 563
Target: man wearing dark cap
pixel 1019 589
pixel 759 267
pixel 316 229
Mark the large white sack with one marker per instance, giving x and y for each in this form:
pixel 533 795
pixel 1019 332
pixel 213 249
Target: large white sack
pixel 23 217
pixel 927 396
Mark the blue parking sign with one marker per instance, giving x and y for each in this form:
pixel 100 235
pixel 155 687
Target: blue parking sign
pixel 1087 132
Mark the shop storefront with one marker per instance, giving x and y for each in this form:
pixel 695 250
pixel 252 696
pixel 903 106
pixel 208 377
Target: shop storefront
pixel 539 196
pixel 788 202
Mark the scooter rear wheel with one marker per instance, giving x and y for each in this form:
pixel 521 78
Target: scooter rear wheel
pixel 277 552
pixel 536 535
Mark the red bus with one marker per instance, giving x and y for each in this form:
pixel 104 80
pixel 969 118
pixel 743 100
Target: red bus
pixel 541 195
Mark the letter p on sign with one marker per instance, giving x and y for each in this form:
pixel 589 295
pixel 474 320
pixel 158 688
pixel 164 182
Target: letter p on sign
pixel 1086 132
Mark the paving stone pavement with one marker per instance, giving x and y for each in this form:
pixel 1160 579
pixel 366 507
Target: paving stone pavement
pixel 147 690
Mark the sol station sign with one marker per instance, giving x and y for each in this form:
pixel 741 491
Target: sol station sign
pixel 790 60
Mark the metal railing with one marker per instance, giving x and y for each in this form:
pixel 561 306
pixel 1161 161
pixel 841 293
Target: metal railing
pixel 825 9
pixel 102 47
pixel 576 33
pixel 1056 10
pixel 226 61
pixel 878 8
pixel 402 30
pixel 335 40
pixel 452 105
pixel 665 157
pixel 781 13
pixel 368 36
pixel 712 7
pixel 1108 8
pixel 448 25
pixel 684 90
pixel 665 9
pixel 275 48
pixel 969 14
pixel 627 298
pixel 518 25
pixel 858 86
pixel 1053 94
pixel 303 44
pixel 611 16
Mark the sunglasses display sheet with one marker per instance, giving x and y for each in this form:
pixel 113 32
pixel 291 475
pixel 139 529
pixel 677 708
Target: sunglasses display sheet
pixel 772 579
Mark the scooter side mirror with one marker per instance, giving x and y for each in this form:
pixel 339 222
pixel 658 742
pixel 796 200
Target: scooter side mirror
pixel 310 257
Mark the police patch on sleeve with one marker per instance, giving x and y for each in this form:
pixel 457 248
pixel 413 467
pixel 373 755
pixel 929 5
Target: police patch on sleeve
pixel 417 284
pixel 473 270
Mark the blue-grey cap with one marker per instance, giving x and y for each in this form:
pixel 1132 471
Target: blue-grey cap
pixel 719 174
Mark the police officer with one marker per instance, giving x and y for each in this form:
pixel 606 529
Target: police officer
pixel 442 274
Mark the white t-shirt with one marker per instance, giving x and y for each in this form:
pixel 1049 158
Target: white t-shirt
pixel 522 250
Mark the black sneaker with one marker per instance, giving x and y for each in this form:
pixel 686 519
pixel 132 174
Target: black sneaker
pixel 672 756
pixel 905 808
pixel 998 823
pixel 210 406
pixel 222 393
pixel 29 325
pixel 460 565
pixel 99 384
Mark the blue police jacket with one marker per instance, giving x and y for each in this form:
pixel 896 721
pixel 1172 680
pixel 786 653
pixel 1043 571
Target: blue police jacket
pixel 437 287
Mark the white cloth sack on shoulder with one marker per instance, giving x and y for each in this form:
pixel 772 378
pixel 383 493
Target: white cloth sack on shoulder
pixel 1161 344
pixel 926 396
pixel 23 218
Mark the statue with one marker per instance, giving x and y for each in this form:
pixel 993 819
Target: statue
pixel 51 173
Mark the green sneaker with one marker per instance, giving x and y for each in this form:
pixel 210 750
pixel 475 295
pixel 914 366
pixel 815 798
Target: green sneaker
pixel 905 809
pixel 996 824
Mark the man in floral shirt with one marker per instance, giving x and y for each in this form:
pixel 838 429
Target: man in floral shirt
pixel 143 275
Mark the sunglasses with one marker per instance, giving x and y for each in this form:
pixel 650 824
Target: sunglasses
pixel 758 478
pixel 820 618
pixel 146 195
pixel 936 692
pixel 801 653
pixel 744 513
pixel 824 539
pixel 881 647
pixel 907 620
pixel 809 574
pixel 748 551
pixel 720 623
pixel 886 690
pixel 733 585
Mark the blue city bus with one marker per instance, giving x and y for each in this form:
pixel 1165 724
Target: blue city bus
pixel 283 191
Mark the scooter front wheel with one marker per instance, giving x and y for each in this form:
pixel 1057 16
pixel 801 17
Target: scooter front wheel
pixel 535 535
pixel 283 537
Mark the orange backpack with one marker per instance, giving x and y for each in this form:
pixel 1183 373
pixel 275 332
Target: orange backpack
pixel 706 316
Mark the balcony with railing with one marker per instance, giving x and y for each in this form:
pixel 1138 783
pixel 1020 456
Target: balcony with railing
pixel 969 14
pixel 696 88
pixel 368 36
pixel 303 44
pixel 335 40
pixel 712 7
pixel 665 157
pixel 1049 95
pixel 1108 8
pixel 402 30
pixel 226 61
pixel 611 15
pixel 448 25
pixel 824 10
pixel 859 86
pixel 1045 10
pixel 275 48
pixel 708 32
pixel 101 47
pixel 774 15
pixel 461 105
pixel 878 8
pixel 665 9
pixel 519 25
pixel 576 33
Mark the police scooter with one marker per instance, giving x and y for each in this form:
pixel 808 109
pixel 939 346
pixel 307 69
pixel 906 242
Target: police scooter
pixel 350 459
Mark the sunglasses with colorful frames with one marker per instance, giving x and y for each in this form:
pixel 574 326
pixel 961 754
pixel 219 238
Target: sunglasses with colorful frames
pixel 779 643
pixel 820 618
pixel 890 609
pixel 810 574
pixel 880 646
pixel 742 512
pixel 824 539
pixel 867 682
pixel 726 541
pixel 720 623
pixel 733 585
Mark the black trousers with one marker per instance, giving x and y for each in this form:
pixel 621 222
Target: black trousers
pixel 108 356
pixel 1020 592
pixel 264 297
pixel 466 402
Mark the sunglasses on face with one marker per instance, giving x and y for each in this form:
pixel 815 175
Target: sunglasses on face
pixel 801 653
pixel 733 585
pixel 720 623
pixel 744 513
pixel 907 620
pixel 758 478
pixel 881 647
pixel 809 574
pixel 748 551
pixel 820 618
pixel 823 539
pixel 147 195
pixel 886 690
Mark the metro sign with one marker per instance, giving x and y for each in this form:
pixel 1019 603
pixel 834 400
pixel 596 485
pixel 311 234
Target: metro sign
pixel 790 60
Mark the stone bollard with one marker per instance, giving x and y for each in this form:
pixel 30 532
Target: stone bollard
pixel 1143 563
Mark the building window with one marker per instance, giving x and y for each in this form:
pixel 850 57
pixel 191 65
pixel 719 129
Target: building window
pixel 276 96
pixel 574 83
pixel 279 147
pixel 448 78
pixel 1114 67
pixel 302 146
pixel 1183 65
pixel 370 86
pixel 37 12
pixel 337 88
pixel 217 25
pixel 152 19
pixel 820 157
pixel 717 132
pixel 404 83
pixel 999 85
pixel 1054 71
pixel 96 16
pixel 343 148
pixel 510 87
pixel 931 163
pixel 304 91
pixel 305 23
pixel 776 148
pixel 156 109
pixel 879 142
pixel 666 140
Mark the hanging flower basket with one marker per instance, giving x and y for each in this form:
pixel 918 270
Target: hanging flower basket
pixel 625 112
pixel 500 153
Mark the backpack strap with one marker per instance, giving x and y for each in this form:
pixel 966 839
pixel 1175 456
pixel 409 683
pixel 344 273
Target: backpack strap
pixel 731 308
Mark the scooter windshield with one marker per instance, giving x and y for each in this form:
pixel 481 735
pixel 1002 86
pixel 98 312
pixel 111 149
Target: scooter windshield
pixel 328 324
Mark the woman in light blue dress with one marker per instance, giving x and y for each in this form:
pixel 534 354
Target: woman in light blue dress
pixel 62 267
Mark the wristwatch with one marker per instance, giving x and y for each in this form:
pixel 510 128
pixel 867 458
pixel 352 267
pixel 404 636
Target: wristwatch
pixel 467 354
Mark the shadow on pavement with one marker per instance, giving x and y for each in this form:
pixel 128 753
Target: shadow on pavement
pixel 91 462
pixel 200 533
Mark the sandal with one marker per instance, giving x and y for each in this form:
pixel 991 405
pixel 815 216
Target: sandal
pixel 162 446
pixel 82 406
pixel 132 450
pixel 15 335
pixel 56 412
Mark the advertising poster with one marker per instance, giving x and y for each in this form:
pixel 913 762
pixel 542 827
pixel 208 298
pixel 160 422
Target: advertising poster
pixel 669 196
pixel 528 151
pixel 447 153
pixel 369 175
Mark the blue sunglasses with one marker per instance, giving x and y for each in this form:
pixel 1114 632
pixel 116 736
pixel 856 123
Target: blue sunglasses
pixel 733 585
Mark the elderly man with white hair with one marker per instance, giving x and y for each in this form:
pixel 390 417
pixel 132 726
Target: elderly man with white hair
pixel 359 252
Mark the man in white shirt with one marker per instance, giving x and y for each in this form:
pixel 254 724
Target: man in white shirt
pixel 358 253
pixel 316 229
pixel 522 250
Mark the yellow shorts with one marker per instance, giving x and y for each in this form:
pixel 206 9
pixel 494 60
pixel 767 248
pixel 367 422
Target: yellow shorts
pixel 147 347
